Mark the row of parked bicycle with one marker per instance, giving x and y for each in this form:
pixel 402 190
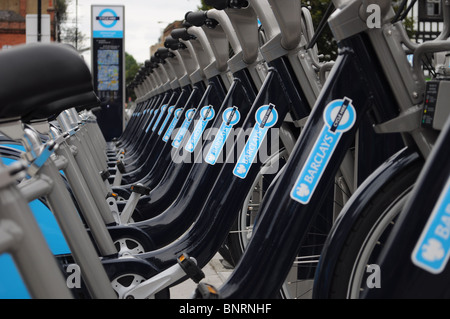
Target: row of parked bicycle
pixel 313 179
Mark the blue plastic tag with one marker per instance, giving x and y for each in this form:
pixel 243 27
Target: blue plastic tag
pixel 169 114
pixel 184 127
pixel 44 156
pixel 206 114
pixel 339 117
pixel 151 121
pixel 432 251
pixel 266 117
pixel 172 125
pixel 230 116
pixel 163 109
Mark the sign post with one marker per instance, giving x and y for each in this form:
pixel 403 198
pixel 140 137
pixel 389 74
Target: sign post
pixel 108 66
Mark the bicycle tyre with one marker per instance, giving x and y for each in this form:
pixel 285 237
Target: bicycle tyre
pixel 365 241
pixel 241 231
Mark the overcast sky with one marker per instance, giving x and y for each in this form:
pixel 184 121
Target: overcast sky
pixel 144 21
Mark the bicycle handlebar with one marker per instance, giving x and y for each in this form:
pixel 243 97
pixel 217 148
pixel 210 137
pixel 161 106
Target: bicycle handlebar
pixel 163 53
pixel 173 44
pixel 217 4
pixel 181 33
pixel 196 18
pixel 156 60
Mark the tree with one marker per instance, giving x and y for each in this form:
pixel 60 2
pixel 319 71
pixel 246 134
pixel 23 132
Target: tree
pixel 326 44
pixel 68 32
pixel 60 16
pixel 408 20
pixel 73 36
pixel 203 6
pixel 131 68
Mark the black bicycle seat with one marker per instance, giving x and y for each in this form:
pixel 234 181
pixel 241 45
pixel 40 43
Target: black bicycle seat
pixel 83 101
pixel 90 101
pixel 40 80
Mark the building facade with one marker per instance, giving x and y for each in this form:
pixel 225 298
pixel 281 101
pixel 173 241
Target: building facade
pixel 13 19
pixel 165 33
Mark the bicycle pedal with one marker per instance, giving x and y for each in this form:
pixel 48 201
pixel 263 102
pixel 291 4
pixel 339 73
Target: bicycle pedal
pixel 105 174
pixel 140 189
pixel 113 195
pixel 206 291
pixel 121 167
pixel 190 268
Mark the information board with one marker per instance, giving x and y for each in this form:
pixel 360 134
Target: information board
pixel 108 67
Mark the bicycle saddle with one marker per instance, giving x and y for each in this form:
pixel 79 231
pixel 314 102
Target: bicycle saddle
pixel 83 101
pixel 40 80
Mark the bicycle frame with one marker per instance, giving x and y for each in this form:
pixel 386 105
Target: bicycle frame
pixel 283 226
pixel 187 205
pixel 145 175
pixel 159 163
pixel 22 238
pixel 141 156
pixel 156 145
pixel 356 86
pixel 199 242
pixel 64 209
pixel 416 152
pixel 160 198
pixel 225 198
pixel 182 211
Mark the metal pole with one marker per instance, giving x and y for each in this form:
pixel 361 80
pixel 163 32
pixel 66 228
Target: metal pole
pixel 39 14
pixel 76 25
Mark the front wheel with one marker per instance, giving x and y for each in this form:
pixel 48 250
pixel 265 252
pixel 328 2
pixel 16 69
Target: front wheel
pixel 242 229
pixel 357 260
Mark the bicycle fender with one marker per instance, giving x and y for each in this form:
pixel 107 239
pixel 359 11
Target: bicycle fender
pixel 356 205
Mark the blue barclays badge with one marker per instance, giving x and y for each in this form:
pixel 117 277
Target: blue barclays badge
pixel 169 114
pixel 151 121
pixel 206 114
pixel 266 117
pixel 339 117
pixel 172 125
pixel 230 116
pixel 432 251
pixel 184 127
pixel 163 109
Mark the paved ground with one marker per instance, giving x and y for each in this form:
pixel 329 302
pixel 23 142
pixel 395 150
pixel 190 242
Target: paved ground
pixel 215 274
